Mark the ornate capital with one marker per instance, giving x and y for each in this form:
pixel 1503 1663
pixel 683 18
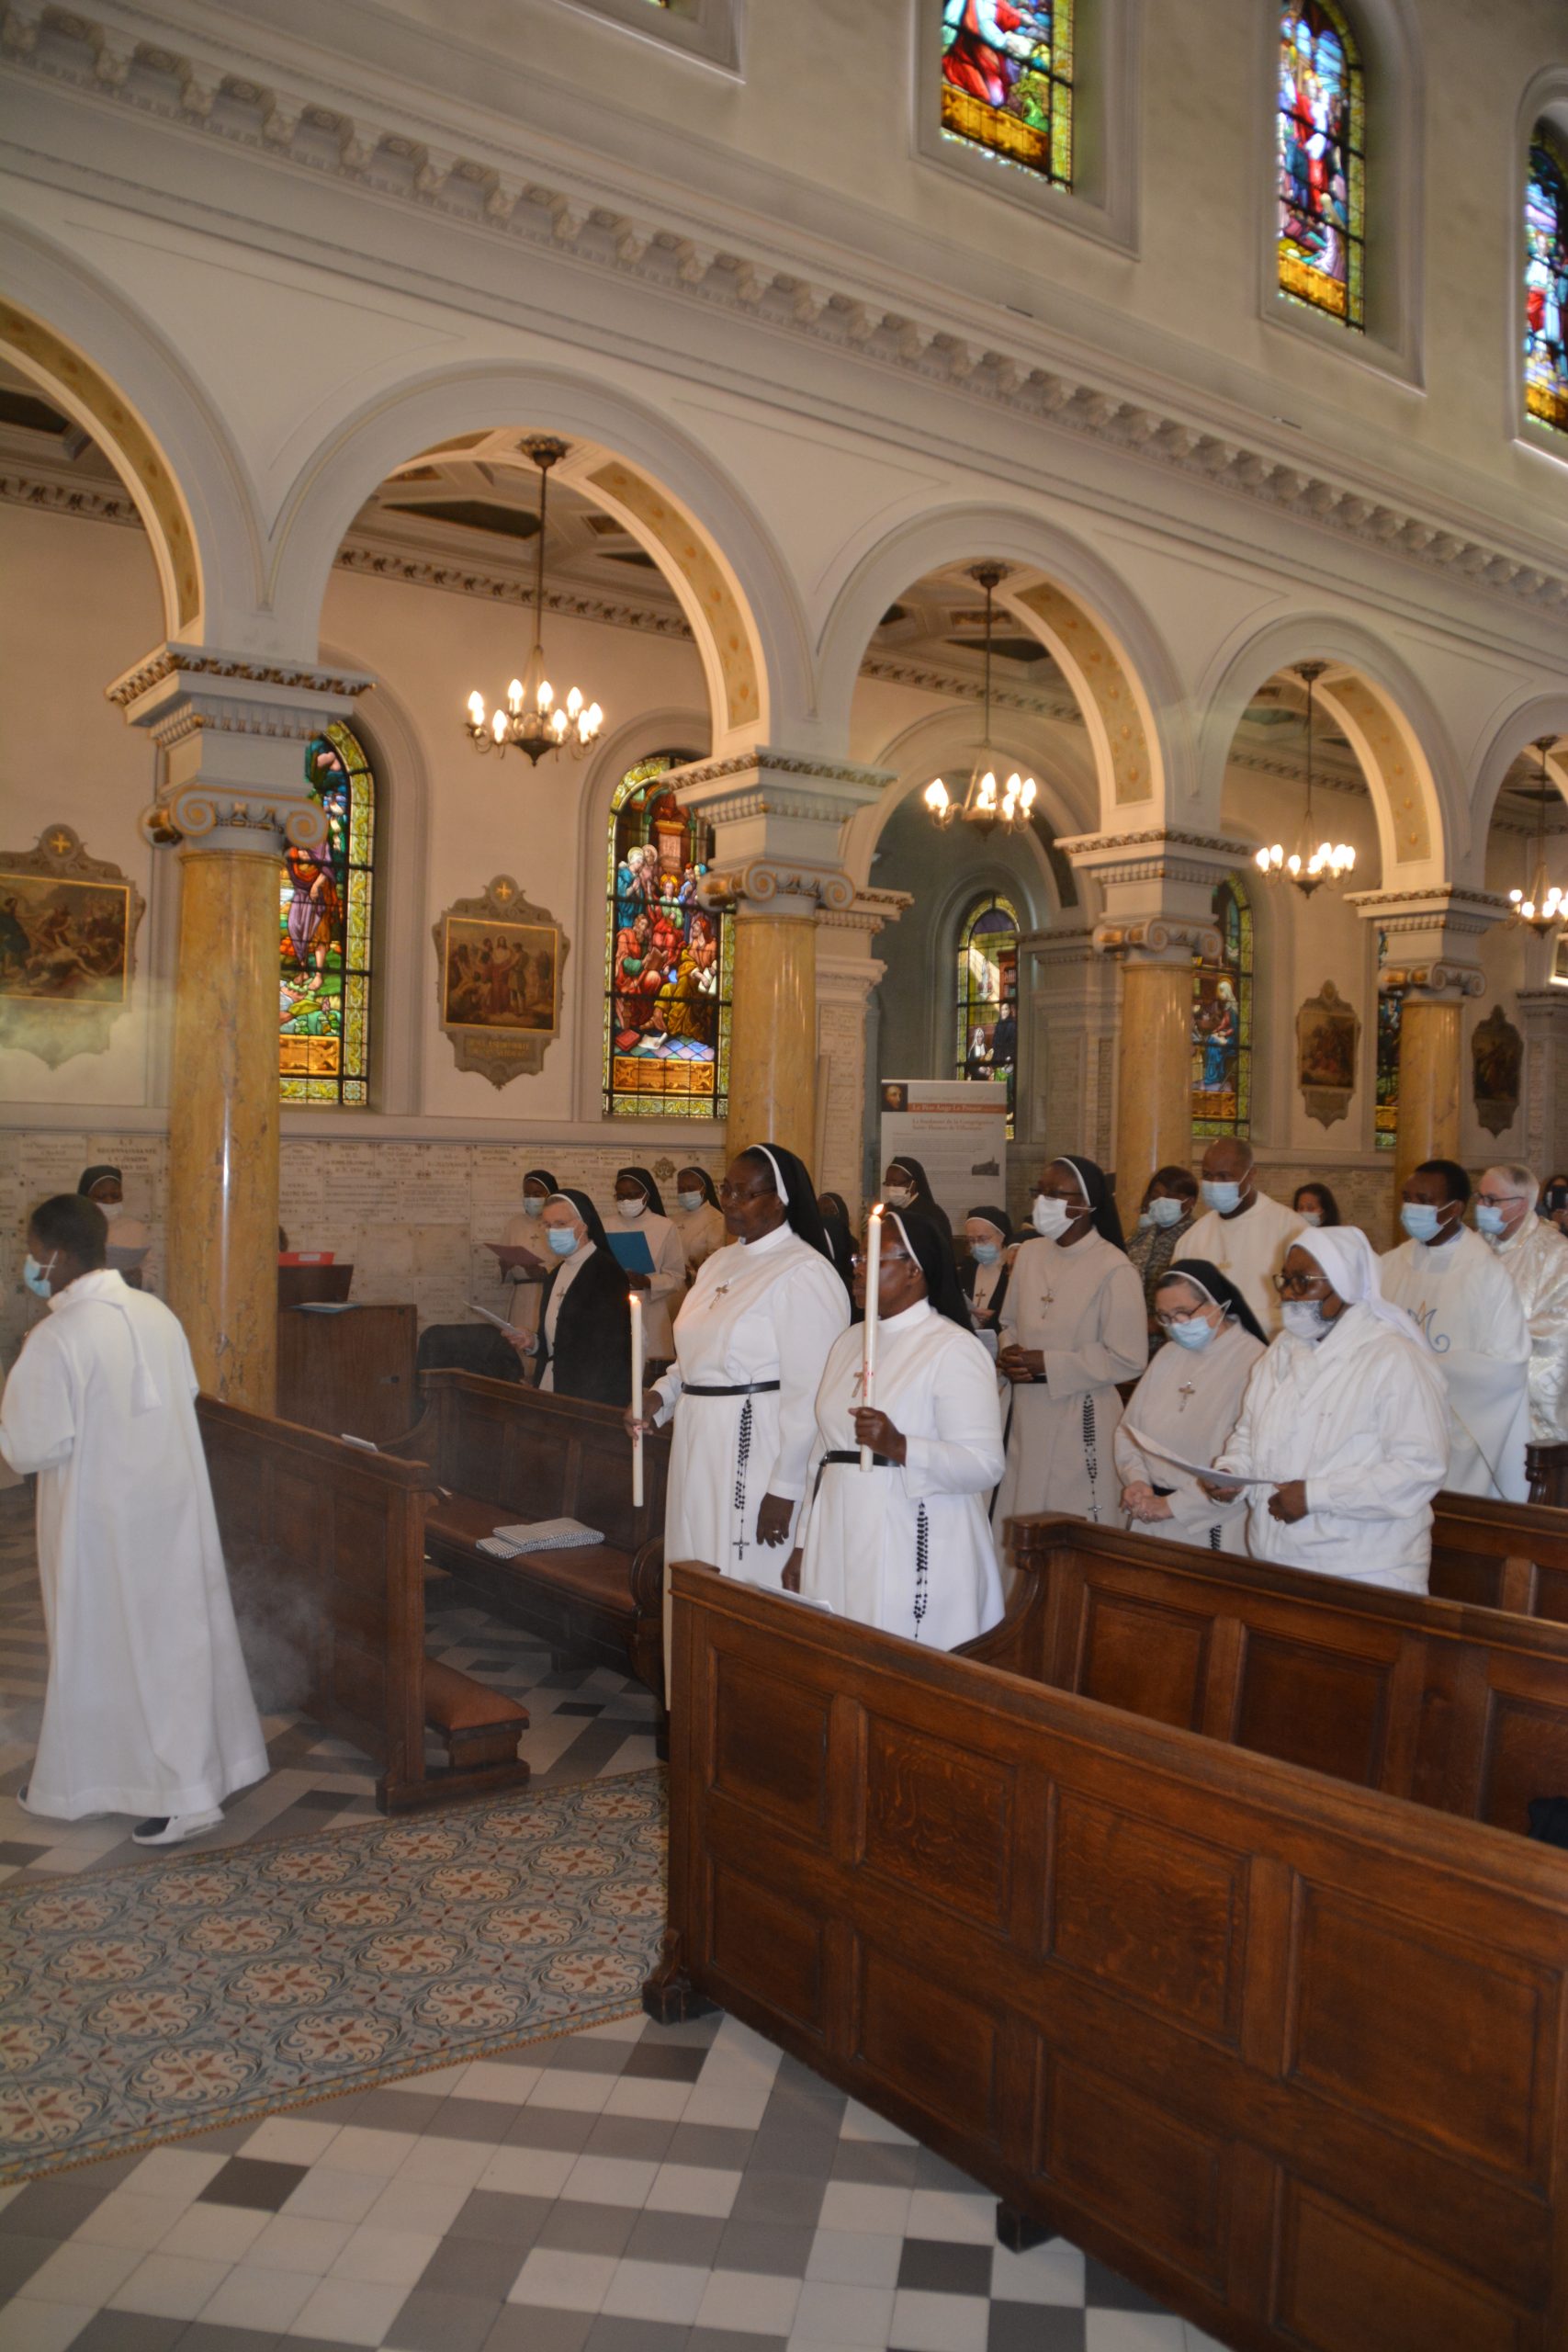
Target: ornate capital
pixel 1428 938
pixel 869 912
pixel 1160 854
pixel 1438 981
pixel 1467 914
pixel 769 886
pixel 1158 939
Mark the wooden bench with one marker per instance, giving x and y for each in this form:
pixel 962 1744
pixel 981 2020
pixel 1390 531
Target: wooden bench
pixel 1463 1708
pixel 1501 1556
pixel 325 1548
pixel 1289 2053
pixel 1546 1468
pixel 500 1454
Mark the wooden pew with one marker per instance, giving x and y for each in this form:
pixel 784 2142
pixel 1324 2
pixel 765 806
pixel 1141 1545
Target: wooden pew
pixel 503 1454
pixel 1465 1708
pixel 1289 2053
pixel 1546 1468
pixel 325 1548
pixel 1501 1556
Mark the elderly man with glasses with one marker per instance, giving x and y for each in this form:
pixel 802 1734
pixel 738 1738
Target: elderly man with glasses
pixel 1534 1255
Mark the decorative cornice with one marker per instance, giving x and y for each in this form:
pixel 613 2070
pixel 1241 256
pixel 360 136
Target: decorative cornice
pixel 870 911
pixel 495 200
pixel 1085 848
pixel 765 762
pixel 377 562
pixel 187 661
pixel 1442 904
pixel 89 501
pixel 930 678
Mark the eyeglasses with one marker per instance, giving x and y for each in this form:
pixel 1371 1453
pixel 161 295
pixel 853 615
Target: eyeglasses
pixel 1298 1286
pixel 1499 1200
pixel 1169 1322
pixel 889 1258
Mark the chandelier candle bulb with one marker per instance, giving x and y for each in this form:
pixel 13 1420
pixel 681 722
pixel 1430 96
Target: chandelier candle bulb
pixel 868 1339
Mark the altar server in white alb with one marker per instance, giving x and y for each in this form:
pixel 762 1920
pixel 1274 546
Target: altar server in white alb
pixel 1450 1282
pixel 1534 1256
pixel 751 1340
pixel 1074 1324
pixel 906 1545
pixel 148 1710
pixel 1243 1231
pixel 1345 1419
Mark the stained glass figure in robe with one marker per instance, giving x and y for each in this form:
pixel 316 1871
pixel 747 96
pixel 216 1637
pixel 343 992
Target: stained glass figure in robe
pixel 1546 284
pixel 1006 81
pixel 1322 162
pixel 324 920
pixel 669 959
pixel 986 1027
pixel 1222 1023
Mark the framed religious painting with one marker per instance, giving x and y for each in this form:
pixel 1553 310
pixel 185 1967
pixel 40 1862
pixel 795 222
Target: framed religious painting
pixel 1497 1058
pixel 499 963
pixel 1327 1033
pixel 68 925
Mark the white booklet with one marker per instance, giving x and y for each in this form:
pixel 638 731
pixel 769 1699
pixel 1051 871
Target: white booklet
pixel 1193 1469
pixel 542 1535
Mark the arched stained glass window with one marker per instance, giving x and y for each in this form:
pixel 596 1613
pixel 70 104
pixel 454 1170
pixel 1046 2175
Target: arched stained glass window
pixel 324 909
pixel 667 961
pixel 986 1023
pixel 1546 282
pixel 1390 1006
pixel 1222 1021
pixel 1006 81
pixel 1320 134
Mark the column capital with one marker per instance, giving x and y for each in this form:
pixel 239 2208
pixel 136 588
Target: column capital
pixel 231 730
pixel 780 824
pixel 1160 854
pixel 1429 937
pixel 868 913
pixel 785 891
pixel 772 782
pixel 1158 889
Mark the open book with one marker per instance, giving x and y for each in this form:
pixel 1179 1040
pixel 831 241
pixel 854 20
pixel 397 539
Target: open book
pixel 543 1535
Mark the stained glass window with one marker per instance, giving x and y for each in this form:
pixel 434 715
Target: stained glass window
pixel 1546 283
pixel 324 907
pixel 1222 1021
pixel 668 961
pixel 1006 81
pixel 1323 164
pixel 986 1004
pixel 1390 1010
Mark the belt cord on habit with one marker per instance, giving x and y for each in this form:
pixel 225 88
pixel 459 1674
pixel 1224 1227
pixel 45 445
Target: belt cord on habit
pixel 742 1457
pixel 922 1565
pixel 1091 1456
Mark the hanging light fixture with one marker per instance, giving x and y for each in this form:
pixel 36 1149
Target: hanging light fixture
pixel 988 802
pixel 1311 863
pixel 1541 906
pixel 535 719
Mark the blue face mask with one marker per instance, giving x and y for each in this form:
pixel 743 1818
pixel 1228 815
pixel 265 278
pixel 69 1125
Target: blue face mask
pixel 984 1253
pixel 1490 1219
pixel 691 1200
pixel 1420 1220
pixel 534 1203
pixel 561 1239
pixel 1223 1196
pixel 1166 1212
pixel 1194 1333
pixel 37 1277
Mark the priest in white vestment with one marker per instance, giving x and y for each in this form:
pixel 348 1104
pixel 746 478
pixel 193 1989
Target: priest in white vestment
pixel 1189 1400
pixel 1346 1422
pixel 752 1339
pixel 906 1545
pixel 1073 1325
pixel 148 1710
pixel 1450 1282
pixel 1534 1256
pixel 1242 1231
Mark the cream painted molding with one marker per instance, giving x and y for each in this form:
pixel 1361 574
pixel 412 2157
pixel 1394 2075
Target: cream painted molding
pixel 82 54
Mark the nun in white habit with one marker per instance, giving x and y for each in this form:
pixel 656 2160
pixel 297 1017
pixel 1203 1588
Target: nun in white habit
pixel 752 1339
pixel 906 1545
pixel 1189 1400
pixel 1345 1421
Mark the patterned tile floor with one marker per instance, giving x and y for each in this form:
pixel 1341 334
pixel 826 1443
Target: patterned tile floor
pixel 628 2188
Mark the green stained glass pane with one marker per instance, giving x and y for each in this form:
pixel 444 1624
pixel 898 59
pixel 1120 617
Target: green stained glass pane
pixel 1222 1021
pixel 1546 282
pixel 668 958
pixel 1321 161
pixel 1006 84
pixel 986 994
pixel 325 941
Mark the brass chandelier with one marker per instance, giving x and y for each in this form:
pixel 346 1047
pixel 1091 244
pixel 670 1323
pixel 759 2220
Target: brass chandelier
pixel 534 719
pixel 987 803
pixel 1543 905
pixel 1312 862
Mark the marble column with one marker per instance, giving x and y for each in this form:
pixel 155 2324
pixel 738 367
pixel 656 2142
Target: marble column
pixel 1066 1081
pixel 847 972
pixel 232 792
pixel 779 825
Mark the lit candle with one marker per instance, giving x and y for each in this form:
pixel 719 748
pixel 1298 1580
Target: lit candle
pixel 637 1397
pixel 868 1328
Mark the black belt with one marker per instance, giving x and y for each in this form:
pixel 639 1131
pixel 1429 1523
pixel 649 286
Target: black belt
pixel 851 1453
pixel 746 1388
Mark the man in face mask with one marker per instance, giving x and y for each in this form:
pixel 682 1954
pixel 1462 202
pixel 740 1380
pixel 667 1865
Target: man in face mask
pixel 1457 1291
pixel 1534 1256
pixel 1242 1231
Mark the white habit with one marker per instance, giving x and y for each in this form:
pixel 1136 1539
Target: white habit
pixel 148 1710
pixel 1250 1248
pixel 1082 1308
pixel 1361 1417
pixel 1462 1300
pixel 1190 1401
pixel 701 1231
pixel 1536 1262
pixel 909 1549
pixel 765 1310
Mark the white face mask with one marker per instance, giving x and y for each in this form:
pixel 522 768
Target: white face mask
pixel 1303 1319
pixel 1310 1216
pixel 534 1203
pixel 1052 1218
pixel 691 1200
pixel 898 1196
pixel 1166 1210
pixel 1222 1195
pixel 113 1210
pixel 631 1208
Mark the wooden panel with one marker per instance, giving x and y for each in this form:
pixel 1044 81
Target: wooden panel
pixel 757 1718
pixel 1113 2148
pixel 774 1947
pixel 1445 2038
pixel 1148 1658
pixel 1308 1703
pixel 1526 1756
pixel 1552 1593
pixel 1151 1913
pixel 938 1816
pixel 1342 2284
pixel 927 2040
pixel 351 1374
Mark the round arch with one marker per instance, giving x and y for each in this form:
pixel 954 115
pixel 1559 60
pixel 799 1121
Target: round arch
pixel 1525 724
pixel 730 579
pixel 107 369
pixel 1385 714
pixel 1124 679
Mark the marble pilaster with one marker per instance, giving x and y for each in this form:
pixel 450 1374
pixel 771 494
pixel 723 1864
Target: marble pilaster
pixel 232 792
pixel 847 971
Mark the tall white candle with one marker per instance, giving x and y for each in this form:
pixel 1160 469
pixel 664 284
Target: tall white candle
pixel 637 1397
pixel 868 1329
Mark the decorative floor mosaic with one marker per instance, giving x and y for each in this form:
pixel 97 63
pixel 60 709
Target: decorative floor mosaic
pixel 137 2003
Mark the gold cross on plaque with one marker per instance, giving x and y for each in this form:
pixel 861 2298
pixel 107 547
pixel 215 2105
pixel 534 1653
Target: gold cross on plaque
pixel 59 843
pixel 504 891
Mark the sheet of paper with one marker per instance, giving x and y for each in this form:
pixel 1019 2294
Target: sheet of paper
pixel 1194 1469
